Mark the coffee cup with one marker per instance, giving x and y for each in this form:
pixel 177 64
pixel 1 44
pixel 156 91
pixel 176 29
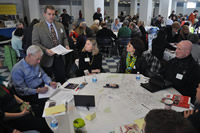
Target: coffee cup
pixel 168 104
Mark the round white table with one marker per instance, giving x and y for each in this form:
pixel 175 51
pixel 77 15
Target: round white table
pixel 114 107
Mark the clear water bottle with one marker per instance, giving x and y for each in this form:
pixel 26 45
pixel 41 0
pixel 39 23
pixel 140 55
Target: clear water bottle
pixel 94 78
pixel 138 76
pixel 54 123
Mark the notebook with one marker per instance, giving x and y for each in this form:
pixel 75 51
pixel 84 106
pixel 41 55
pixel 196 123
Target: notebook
pixel 84 100
pixel 156 83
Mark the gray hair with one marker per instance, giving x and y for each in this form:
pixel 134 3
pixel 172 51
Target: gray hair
pixel 33 49
pixel 117 19
pixel 125 23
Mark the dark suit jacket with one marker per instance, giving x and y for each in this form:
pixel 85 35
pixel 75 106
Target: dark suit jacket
pixel 41 36
pixel 27 39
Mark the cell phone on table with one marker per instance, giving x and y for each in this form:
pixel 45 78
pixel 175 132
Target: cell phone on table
pixel 111 86
pixel 51 104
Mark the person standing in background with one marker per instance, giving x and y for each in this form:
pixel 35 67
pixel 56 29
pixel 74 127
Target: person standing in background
pixel 80 14
pixel 65 18
pixel 193 16
pixel 98 15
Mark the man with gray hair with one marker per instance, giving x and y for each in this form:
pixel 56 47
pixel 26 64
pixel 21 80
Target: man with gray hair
pixel 183 70
pixel 28 77
pixel 124 32
pixel 116 25
pixel 98 15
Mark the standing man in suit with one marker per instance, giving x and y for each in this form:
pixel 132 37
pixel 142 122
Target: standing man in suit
pixel 48 34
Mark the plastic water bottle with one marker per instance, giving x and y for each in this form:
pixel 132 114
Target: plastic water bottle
pixel 54 123
pixel 94 78
pixel 138 76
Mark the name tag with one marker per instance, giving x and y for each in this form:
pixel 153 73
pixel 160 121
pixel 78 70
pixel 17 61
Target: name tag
pixel 87 59
pixel 179 76
pixel 61 30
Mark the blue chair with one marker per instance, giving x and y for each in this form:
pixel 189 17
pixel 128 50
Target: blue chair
pixel 105 45
pixel 122 43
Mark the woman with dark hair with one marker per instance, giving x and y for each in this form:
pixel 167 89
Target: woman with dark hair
pixel 16 41
pixel 132 60
pixel 90 60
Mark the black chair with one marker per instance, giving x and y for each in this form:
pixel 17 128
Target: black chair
pixel 105 45
pixel 122 43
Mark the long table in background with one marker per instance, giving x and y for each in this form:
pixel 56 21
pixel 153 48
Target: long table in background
pixel 114 107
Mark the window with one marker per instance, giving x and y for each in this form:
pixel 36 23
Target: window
pixel 191 4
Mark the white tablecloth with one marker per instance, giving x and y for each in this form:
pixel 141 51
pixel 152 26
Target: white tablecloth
pixel 114 107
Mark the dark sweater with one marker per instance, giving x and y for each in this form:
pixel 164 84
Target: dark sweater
pixel 96 62
pixel 189 69
pixel 105 33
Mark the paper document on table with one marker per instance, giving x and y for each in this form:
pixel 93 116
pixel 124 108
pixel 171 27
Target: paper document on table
pixel 55 110
pixel 139 111
pixel 59 109
pixel 63 95
pixel 60 50
pixel 50 91
pixel 140 123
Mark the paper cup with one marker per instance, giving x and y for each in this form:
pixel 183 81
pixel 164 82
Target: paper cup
pixel 168 104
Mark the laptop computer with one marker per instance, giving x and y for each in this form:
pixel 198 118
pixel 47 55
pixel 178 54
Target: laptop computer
pixel 84 100
pixel 156 83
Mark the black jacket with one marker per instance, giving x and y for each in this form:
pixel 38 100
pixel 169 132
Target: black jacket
pixel 96 63
pixel 185 75
pixel 27 39
pixel 105 33
pixel 170 37
pixel 97 16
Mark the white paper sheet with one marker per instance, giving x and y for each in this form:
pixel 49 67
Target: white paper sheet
pixel 60 50
pixel 49 92
pixel 63 95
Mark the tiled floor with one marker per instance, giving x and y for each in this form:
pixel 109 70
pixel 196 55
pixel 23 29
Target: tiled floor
pixel 109 64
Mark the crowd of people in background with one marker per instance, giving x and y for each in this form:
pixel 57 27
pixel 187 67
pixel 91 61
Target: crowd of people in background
pixel 183 70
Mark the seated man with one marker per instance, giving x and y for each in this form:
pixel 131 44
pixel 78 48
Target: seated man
pixel 29 78
pixel 116 25
pixel 105 32
pixel 183 70
pixel 167 121
pixel 124 32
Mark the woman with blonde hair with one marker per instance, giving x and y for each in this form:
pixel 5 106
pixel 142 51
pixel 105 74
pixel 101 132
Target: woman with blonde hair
pixel 90 60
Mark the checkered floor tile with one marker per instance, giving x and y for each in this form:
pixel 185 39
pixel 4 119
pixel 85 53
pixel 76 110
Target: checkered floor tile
pixel 110 64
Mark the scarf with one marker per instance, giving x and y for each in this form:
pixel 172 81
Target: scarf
pixel 130 63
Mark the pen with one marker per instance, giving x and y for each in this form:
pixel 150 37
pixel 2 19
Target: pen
pixel 145 106
pixel 88 108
